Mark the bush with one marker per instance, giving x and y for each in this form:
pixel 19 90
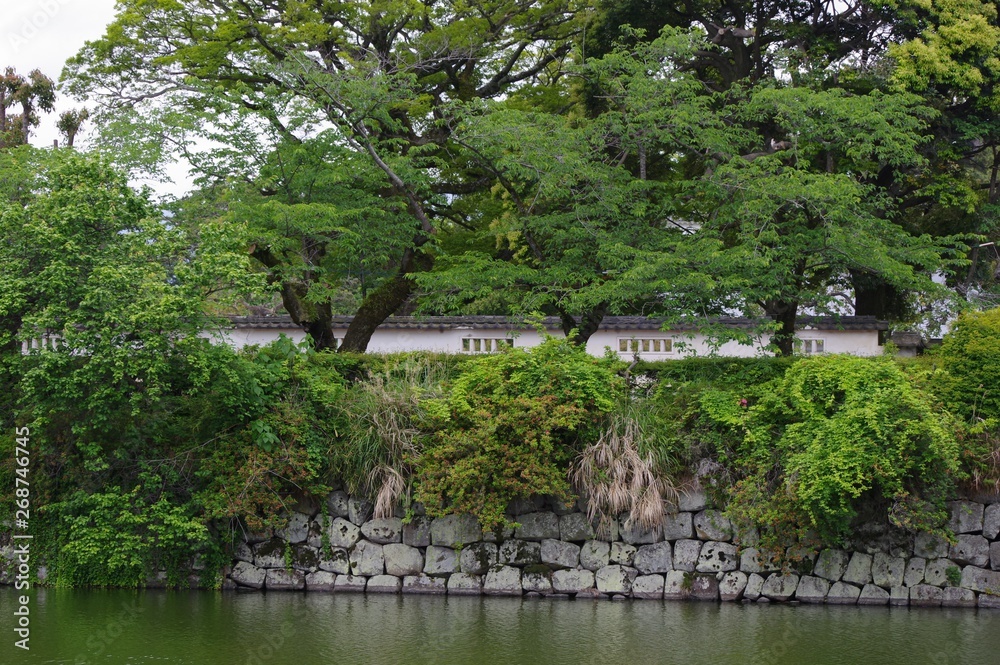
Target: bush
pixel 510 427
pixel 119 538
pixel 834 432
pixel 970 354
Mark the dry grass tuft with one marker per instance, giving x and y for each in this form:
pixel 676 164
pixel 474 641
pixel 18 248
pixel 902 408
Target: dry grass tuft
pixel 618 478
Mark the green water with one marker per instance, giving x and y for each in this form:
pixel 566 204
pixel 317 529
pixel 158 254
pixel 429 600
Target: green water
pixel 206 628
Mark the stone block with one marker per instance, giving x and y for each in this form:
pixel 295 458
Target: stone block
pixel 899 596
pixel 532 504
pixel 537 526
pixel 247 575
pixel 350 584
pixel 503 581
pixel 336 504
pixel 269 554
pixel 622 553
pixel 873 594
pixel 686 553
pixel 595 554
pixel 320 581
pixel 812 589
pixel 831 565
pixel 477 558
pixel 575 527
pixel 753 560
pixel 925 595
pixel 519 553
pixel 958 597
pixel 915 569
pixel 677 526
pixel 417 533
pixel 649 587
pixel 305 558
pixel 936 573
pixel 465 584
pixel 384 584
pixel 677 585
pixel 336 561
pixel 572 581
pixel 780 586
pixel 966 516
pixel 705 587
pixel 383 531
pixel 537 581
pixel 692 499
pixel 988 602
pixel 713 525
pixel 887 571
pixel 402 560
pixel 614 579
pixel 717 557
pixel 755 583
pixel 296 530
pixel 343 533
pixel 859 569
pixel 980 580
pixel 995 555
pixel 842 593
pixel 655 558
pixel 359 510
pixel 242 552
pixel 455 531
pixel 970 550
pixel 634 534
pixel 440 561
pixel 559 554
pixel 367 559
pixel 991 521
pixel 929 546
pixel 425 585
pixel 731 586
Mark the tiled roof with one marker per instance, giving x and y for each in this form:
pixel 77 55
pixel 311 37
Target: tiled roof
pixel 616 323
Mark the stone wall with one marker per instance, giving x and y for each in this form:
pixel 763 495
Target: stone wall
pixel 555 552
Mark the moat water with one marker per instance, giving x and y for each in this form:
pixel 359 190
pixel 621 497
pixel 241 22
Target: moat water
pixel 216 628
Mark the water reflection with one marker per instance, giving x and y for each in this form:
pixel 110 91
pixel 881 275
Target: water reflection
pixel 205 628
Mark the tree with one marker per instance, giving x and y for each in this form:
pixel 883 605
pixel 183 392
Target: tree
pixel 35 93
pixel 114 294
pixel 380 77
pixel 585 217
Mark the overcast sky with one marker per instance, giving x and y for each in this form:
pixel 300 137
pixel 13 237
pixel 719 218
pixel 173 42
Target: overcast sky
pixel 42 34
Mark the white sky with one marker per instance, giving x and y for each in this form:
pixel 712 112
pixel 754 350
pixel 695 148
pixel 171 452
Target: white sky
pixel 42 34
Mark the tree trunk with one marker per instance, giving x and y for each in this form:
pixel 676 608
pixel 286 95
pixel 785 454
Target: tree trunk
pixel 783 313
pixel 586 326
pixel 384 301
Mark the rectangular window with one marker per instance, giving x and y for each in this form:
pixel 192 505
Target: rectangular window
pixel 485 344
pixel 812 346
pixel 645 346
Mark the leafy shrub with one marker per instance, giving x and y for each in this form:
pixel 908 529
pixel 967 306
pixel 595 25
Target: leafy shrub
pixel 119 538
pixel 833 431
pixel 510 427
pixel 970 354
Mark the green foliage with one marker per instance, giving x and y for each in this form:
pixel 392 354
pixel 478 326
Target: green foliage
pixel 379 441
pixel 833 432
pixel 510 427
pixel 970 354
pixel 120 538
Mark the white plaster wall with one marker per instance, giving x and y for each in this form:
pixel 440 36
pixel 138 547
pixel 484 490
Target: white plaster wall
pixel 449 340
